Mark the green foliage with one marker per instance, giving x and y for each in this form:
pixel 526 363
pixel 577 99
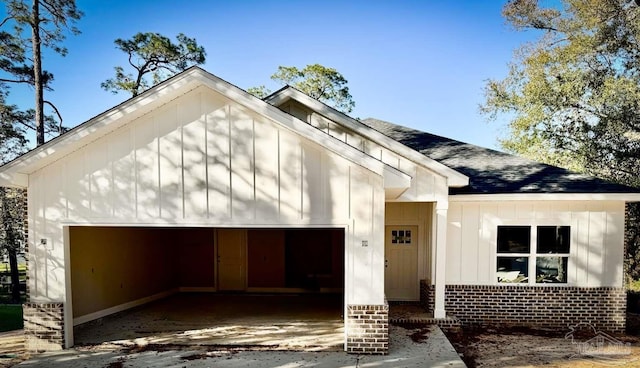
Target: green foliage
pixel 12 130
pixel 156 56
pixel 573 96
pixel 317 81
pixel 632 256
pixel 634 286
pixel 12 213
pixel 10 317
pixel 259 91
pixel 51 18
pixel 35 24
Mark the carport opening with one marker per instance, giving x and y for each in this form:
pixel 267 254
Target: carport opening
pixel 278 287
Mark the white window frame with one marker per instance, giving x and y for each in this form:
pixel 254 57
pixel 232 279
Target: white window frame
pixel 533 252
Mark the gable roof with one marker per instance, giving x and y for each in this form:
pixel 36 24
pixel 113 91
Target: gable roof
pixel 469 169
pixel 454 177
pixel 494 172
pixel 15 172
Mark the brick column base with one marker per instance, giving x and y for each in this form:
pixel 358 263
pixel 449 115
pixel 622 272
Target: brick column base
pixel 43 326
pixel 427 293
pixel 368 329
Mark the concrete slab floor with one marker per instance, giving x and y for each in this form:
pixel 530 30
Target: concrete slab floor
pixel 279 322
pixel 423 346
pixel 410 346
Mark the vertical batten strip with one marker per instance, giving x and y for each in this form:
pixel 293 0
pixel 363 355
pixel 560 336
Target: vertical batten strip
pixel 180 121
pixel 207 185
pixel 88 186
pixel 136 178
pixel 112 187
pixel 65 189
pixel 349 215
pixel 157 144
pixel 605 236
pixel 230 205
pixel 253 165
pixel 327 194
pixel 587 247
pixel 301 161
pixel 278 154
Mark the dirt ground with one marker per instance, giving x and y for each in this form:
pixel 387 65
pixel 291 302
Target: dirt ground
pixel 538 348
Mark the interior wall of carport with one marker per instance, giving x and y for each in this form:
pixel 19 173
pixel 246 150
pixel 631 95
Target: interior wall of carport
pixel 201 159
pixel 113 266
pixel 117 267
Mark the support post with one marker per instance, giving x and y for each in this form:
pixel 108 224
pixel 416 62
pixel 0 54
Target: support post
pixel 440 227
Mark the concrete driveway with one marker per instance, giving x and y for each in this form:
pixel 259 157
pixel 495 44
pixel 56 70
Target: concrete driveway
pixel 415 347
pixel 243 331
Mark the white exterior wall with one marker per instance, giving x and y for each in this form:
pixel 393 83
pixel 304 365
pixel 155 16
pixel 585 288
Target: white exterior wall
pixel 426 186
pixel 202 160
pixel 597 238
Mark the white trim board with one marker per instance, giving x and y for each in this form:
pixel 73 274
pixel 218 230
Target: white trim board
pixel 212 223
pixel 627 197
pixel 121 307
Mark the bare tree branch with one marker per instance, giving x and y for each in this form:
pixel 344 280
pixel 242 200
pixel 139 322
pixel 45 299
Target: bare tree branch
pixel 57 113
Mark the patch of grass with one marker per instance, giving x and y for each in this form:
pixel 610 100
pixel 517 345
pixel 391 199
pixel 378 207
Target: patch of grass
pixel 4 268
pixel 10 317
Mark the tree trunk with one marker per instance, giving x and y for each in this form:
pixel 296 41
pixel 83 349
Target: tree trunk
pixel 10 243
pixel 15 275
pixel 37 71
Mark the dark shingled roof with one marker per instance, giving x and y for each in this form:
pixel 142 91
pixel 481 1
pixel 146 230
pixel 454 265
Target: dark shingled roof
pixel 492 172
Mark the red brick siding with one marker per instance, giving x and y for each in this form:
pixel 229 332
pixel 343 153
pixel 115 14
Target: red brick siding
pixel 368 329
pixel 427 293
pixel 554 307
pixel 43 326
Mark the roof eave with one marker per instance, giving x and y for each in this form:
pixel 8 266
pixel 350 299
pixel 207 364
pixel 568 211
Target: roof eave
pixel 455 179
pixel 14 180
pixel 69 141
pixel 15 173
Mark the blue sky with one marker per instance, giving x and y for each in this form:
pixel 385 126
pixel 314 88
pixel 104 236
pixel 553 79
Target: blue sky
pixel 422 64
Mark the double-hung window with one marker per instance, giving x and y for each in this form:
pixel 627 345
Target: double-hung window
pixel 533 254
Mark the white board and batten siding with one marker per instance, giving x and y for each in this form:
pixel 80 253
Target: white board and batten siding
pixel 596 238
pixel 203 160
pixel 426 186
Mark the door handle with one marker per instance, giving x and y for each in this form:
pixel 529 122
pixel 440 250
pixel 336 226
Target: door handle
pixel 386 263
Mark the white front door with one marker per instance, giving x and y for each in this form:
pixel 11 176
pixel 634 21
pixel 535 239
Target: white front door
pixel 232 259
pixel 401 263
